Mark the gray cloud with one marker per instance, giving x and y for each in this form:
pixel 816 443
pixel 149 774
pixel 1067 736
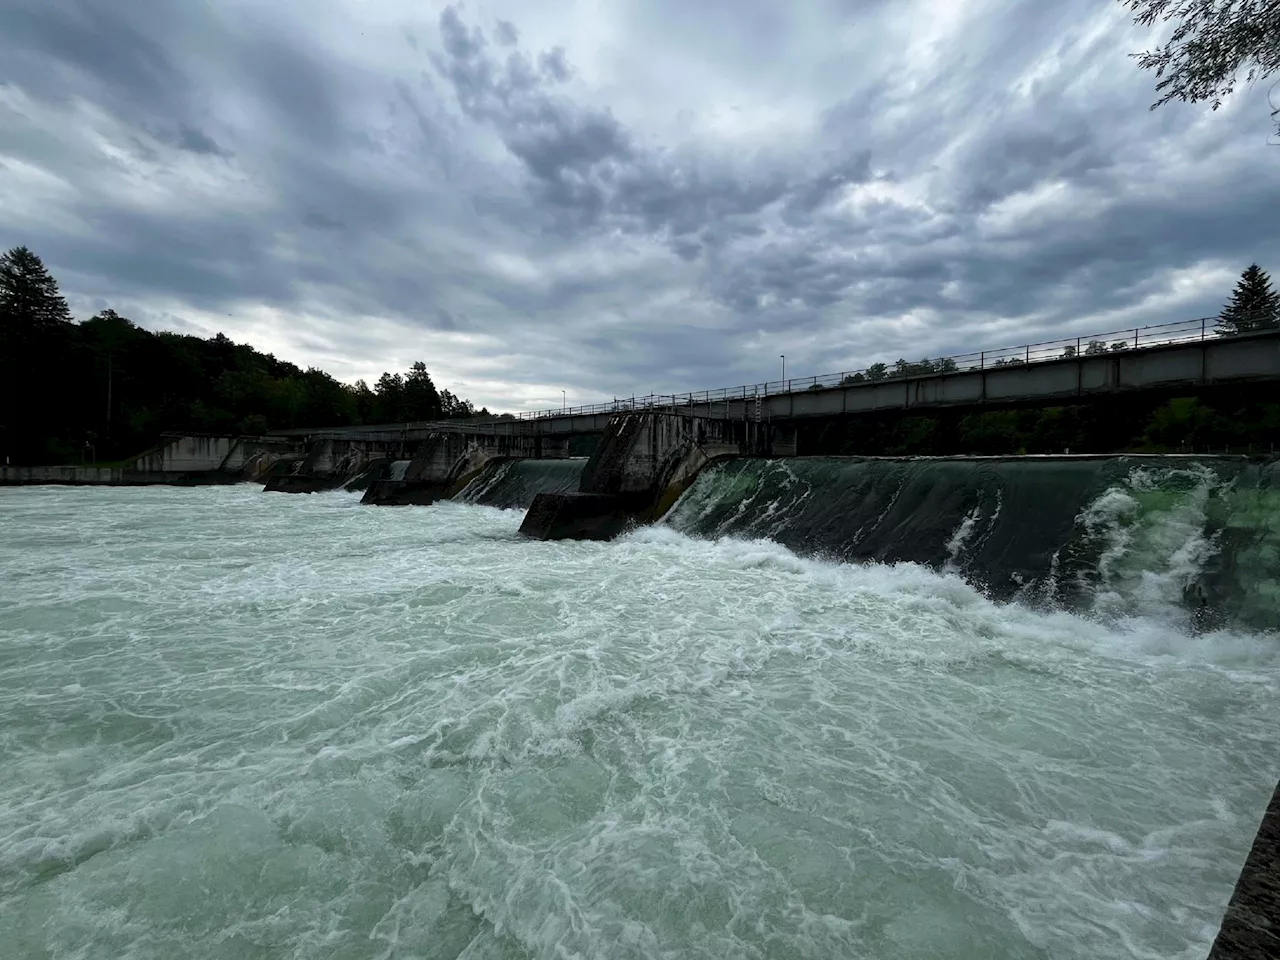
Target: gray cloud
pixel 664 197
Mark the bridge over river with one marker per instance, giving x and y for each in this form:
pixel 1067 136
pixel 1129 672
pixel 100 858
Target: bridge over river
pixel 1183 357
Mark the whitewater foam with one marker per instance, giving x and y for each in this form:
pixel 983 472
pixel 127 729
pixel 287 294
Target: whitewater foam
pixel 242 725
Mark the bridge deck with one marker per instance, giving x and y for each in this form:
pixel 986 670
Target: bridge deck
pixel 1191 365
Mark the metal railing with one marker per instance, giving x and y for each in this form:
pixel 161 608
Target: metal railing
pixel 1110 342
pixel 1113 341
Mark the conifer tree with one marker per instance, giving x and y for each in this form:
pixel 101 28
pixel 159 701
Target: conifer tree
pixel 1253 306
pixel 29 299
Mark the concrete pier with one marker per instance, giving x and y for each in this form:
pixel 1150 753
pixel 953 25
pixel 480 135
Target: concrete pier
pixel 641 466
pixel 328 464
pixel 444 463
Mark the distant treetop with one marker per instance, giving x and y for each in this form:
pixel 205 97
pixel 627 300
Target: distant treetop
pixel 1253 305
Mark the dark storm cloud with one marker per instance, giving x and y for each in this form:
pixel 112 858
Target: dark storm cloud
pixel 197 141
pixel 722 183
pixel 57 47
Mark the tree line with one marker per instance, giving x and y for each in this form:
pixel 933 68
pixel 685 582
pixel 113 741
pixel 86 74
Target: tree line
pixel 1235 420
pixel 107 389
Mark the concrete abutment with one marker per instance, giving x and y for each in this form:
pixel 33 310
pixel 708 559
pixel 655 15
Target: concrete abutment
pixel 641 466
pixel 443 464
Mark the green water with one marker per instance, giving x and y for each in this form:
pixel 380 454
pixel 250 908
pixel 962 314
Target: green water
pixel 237 725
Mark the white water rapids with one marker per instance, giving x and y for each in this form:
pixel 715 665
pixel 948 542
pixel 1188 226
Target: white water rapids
pixel 247 725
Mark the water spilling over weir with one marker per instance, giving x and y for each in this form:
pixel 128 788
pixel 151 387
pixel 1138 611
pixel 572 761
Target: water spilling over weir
pixel 509 484
pixel 1119 535
pixel 1111 534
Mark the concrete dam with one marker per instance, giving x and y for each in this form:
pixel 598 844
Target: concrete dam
pixel 728 463
pixel 1082 532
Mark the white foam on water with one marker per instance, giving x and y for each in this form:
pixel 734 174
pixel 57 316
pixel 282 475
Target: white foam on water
pixel 235 724
pixel 477 489
pixel 1150 556
pixel 959 537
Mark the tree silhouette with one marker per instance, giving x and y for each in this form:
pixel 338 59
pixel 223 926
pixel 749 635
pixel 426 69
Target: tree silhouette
pixel 29 299
pixel 118 387
pixel 1253 305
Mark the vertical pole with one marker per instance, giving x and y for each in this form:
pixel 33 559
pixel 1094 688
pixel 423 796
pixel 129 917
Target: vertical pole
pixel 1203 322
pixel 1028 353
pixel 1135 338
pixel 109 373
pixel 982 360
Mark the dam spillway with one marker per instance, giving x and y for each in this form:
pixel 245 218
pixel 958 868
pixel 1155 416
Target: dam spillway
pixel 507 483
pixel 1112 534
pixel 513 484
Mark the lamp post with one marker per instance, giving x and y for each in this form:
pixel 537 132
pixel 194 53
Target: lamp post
pixel 563 402
pixel 784 370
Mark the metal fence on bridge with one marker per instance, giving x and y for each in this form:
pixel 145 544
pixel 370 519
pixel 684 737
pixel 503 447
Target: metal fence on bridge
pixel 1114 341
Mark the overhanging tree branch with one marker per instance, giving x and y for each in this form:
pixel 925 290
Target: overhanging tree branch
pixel 1214 41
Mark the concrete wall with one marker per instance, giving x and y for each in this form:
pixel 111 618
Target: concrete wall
pixel 60 475
pixel 1251 927
pixel 181 460
pixel 187 455
pixel 197 454
pixel 641 466
pixel 445 462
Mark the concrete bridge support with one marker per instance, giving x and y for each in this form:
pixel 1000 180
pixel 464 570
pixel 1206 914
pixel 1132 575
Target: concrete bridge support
pixel 329 464
pixel 445 463
pixel 642 465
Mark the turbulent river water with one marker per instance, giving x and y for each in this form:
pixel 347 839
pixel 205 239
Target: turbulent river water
pixel 246 725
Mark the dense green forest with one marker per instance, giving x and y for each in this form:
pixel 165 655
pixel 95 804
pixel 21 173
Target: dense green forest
pixel 106 388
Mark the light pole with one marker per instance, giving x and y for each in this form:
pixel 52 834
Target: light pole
pixel 563 402
pixel 784 370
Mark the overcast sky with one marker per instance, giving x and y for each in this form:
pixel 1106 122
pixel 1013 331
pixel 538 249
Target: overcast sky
pixel 618 196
